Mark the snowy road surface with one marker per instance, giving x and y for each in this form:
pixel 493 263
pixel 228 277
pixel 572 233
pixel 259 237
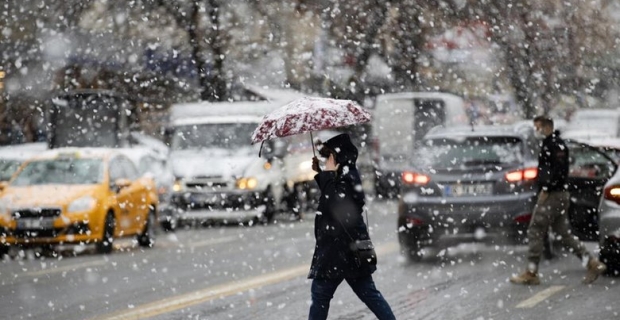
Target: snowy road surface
pixel 259 272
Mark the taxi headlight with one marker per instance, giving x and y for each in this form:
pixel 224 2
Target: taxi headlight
pixel 247 183
pixel 82 204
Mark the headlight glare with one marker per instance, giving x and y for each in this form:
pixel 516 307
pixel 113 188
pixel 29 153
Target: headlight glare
pixel 178 186
pixel 247 183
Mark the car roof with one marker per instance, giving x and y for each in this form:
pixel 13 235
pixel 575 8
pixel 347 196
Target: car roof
pixel 23 151
pixel 269 100
pixel 135 154
pixel 93 153
pixel 218 120
pixel 521 130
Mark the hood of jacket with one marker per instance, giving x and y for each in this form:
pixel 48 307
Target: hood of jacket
pixel 346 152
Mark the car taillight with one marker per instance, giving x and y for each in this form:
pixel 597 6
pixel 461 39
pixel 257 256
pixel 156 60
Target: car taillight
pixel 612 193
pixel 413 222
pixel 524 218
pixel 522 175
pixel 415 178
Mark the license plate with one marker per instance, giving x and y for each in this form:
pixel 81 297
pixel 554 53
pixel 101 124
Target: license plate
pixel 459 190
pixel 205 199
pixel 33 224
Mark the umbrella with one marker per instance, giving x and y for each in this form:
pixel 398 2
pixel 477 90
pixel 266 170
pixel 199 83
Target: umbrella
pixel 308 114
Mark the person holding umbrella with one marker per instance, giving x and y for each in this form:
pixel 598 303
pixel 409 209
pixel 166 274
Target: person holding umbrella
pixel 338 223
pixel 343 251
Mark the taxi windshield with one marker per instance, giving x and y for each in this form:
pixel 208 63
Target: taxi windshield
pixel 60 171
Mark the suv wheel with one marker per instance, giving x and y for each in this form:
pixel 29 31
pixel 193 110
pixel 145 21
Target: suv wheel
pixel 411 250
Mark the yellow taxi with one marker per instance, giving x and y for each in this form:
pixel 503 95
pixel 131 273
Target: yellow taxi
pixel 77 196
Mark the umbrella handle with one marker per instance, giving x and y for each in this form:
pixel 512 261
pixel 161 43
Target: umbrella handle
pixel 312 142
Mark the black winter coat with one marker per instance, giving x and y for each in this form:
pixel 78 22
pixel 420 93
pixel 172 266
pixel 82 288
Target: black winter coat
pixel 553 164
pixel 339 221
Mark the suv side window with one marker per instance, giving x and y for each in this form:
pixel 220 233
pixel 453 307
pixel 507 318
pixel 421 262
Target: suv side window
pixel 589 163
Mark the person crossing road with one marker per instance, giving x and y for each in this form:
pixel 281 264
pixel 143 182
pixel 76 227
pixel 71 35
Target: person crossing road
pixel 551 209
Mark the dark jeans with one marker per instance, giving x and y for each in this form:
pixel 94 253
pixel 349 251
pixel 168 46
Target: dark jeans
pixel 323 292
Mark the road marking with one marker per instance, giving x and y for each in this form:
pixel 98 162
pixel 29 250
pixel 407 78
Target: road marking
pixel 537 298
pixel 65 268
pixel 220 291
pixel 211 242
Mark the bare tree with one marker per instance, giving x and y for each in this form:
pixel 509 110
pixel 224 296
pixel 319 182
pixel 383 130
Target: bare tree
pixel 545 45
pixel 212 81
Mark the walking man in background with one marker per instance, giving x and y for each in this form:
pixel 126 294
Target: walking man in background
pixel 552 207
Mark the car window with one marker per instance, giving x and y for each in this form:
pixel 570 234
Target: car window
pixel 151 165
pixel 444 153
pixel 60 171
pixel 589 163
pixel 129 169
pixel 116 170
pixel 146 165
pixel 614 154
pixel 8 168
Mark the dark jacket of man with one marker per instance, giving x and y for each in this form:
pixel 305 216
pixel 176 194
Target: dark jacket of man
pixel 553 164
pixel 340 206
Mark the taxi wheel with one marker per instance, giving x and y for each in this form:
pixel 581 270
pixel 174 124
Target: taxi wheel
pixel 147 237
pixel 4 250
pixel 106 244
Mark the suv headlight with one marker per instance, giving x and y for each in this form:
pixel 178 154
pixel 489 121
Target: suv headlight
pixel 247 183
pixel 82 204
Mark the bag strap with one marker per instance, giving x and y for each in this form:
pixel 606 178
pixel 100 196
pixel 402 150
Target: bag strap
pixel 345 228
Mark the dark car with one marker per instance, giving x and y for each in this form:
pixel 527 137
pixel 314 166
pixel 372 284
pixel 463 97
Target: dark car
pixel 590 169
pixel 479 184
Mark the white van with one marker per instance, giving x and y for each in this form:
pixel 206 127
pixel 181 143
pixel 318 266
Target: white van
pixel 219 175
pixel 589 124
pixel 401 119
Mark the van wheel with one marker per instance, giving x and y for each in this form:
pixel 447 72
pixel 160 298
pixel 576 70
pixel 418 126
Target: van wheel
pixel 147 237
pixel 106 244
pixel 270 206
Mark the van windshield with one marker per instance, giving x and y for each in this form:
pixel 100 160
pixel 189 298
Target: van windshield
pixel 400 122
pixel 228 136
pixel 469 152
pixel 594 122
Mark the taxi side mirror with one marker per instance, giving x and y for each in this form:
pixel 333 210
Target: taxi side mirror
pixel 121 183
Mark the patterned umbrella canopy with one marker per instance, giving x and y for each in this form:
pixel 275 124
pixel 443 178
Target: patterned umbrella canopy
pixel 309 114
